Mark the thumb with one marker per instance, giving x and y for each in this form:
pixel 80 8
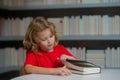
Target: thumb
pixel 64 66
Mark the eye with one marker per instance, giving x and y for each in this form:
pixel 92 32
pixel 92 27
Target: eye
pixel 51 36
pixel 43 39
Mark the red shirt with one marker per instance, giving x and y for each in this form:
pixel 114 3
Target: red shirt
pixel 47 59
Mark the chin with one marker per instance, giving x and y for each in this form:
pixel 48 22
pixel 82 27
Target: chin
pixel 50 49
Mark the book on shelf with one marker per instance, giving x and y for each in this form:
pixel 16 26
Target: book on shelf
pixel 82 67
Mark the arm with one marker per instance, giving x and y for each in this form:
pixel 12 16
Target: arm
pixel 41 70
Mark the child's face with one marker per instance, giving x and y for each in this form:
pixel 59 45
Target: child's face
pixel 47 40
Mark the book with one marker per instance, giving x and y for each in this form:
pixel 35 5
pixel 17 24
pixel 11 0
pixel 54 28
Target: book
pixel 82 67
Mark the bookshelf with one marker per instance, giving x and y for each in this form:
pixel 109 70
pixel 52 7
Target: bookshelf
pixel 90 42
pixel 61 10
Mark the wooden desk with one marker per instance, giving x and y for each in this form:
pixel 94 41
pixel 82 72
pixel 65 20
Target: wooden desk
pixel 106 74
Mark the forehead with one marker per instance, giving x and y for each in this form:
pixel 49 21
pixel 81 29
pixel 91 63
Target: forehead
pixel 45 33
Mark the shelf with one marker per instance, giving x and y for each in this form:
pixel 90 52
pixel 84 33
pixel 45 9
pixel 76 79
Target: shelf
pixel 11 38
pixel 62 6
pixel 11 41
pixel 61 10
pixel 90 42
pixel 65 38
pixel 9 68
pixel 88 37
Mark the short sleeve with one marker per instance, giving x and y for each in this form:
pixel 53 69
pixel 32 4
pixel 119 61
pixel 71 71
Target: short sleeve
pixel 30 58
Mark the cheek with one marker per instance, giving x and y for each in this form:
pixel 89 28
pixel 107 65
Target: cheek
pixel 41 44
pixel 53 39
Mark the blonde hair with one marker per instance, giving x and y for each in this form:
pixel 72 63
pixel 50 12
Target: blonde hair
pixel 37 25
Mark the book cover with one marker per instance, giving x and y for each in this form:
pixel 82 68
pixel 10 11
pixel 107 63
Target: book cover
pixel 82 67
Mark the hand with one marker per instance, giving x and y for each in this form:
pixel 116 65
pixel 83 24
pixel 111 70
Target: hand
pixel 64 57
pixel 62 71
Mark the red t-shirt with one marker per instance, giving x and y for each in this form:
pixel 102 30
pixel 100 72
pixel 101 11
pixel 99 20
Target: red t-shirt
pixel 47 59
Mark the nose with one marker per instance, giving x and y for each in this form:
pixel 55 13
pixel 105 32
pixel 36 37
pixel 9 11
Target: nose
pixel 48 40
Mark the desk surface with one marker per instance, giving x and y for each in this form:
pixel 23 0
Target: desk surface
pixel 106 74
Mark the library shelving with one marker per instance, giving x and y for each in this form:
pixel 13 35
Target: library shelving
pixel 90 42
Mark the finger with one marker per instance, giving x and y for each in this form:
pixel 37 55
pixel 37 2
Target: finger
pixel 66 71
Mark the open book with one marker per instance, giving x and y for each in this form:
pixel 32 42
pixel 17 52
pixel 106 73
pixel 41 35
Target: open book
pixel 82 67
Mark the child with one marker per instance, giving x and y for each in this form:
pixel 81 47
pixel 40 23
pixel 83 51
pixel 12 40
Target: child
pixel 44 55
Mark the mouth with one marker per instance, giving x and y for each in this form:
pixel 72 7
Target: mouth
pixel 49 45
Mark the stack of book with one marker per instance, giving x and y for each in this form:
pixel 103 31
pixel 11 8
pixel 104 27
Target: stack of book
pixel 82 67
